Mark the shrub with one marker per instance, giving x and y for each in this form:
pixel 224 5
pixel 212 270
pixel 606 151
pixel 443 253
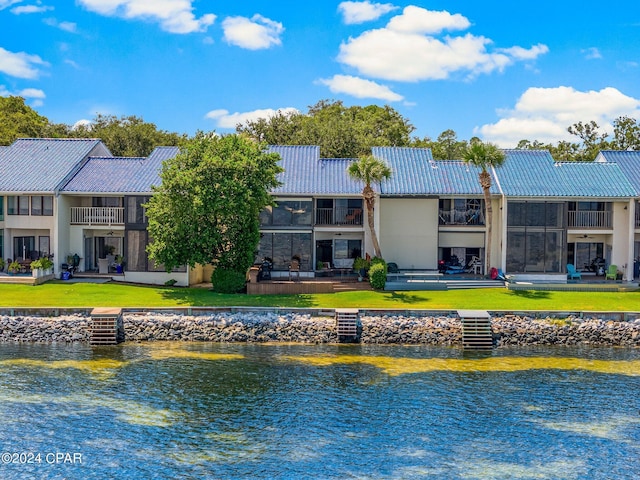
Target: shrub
pixel 378 275
pixel 228 281
pixel 43 263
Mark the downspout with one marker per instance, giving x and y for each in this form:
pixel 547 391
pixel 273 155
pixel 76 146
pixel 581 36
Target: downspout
pixel 632 233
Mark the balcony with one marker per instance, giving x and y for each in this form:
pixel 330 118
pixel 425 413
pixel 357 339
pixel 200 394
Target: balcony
pixel 339 216
pixel 461 217
pixel 590 219
pixel 97 216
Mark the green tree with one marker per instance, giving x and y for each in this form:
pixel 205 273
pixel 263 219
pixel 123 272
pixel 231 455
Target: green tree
pixel 485 156
pixel 18 120
pixel 340 131
pixel 592 139
pixel 207 208
pixel 127 136
pixel 369 170
pixel 448 147
pixel 626 134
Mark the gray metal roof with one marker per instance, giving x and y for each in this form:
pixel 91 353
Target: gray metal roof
pixel 120 174
pixel 415 172
pixel 37 165
pixel 534 173
pixel 627 161
pixel 305 173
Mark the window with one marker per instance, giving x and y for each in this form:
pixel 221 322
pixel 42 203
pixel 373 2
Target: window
pixel 18 205
pixel 1 208
pixel 136 214
pixel 287 213
pixel 136 250
pixel 1 243
pixel 536 238
pixel 281 247
pixel 36 205
pixel 47 205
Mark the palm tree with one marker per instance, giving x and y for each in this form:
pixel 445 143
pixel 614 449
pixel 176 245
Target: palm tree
pixel 370 170
pixel 485 156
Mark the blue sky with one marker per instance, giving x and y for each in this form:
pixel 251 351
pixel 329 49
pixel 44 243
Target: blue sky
pixel 503 71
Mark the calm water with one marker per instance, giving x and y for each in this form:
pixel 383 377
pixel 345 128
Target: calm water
pixel 182 411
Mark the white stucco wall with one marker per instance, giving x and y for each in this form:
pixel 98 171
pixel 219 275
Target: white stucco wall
pixel 409 232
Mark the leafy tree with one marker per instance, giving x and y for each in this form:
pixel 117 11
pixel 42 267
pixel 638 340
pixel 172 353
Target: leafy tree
pixel 127 136
pixel 340 131
pixel 592 139
pixel 370 170
pixel 626 134
pixel 18 120
pixel 448 147
pixel 206 209
pixel 485 156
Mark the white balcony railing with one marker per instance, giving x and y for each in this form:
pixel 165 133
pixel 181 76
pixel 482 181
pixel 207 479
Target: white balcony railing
pixel 97 215
pixel 590 218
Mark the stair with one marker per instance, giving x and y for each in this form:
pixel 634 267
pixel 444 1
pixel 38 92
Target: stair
pixel 104 326
pixel 347 320
pixel 476 330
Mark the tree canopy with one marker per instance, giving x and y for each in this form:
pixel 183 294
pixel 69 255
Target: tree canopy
pixel 340 131
pixel 18 120
pixel 127 136
pixel 207 208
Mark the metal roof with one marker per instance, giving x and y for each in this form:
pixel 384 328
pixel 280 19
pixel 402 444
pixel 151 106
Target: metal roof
pixel 627 161
pixel 415 172
pixel 305 173
pixel 120 174
pixel 42 165
pixel 534 173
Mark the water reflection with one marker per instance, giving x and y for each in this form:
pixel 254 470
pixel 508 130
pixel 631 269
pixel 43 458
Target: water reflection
pixel 189 410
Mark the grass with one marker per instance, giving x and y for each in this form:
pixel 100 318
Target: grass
pixel 65 294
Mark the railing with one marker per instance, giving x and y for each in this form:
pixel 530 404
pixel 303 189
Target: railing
pixel 590 219
pixel 339 216
pixel 97 215
pixel 461 217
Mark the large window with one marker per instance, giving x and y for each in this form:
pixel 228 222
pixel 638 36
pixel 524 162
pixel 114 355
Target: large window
pixel 287 213
pixel 1 208
pixel 18 205
pixel 41 205
pixel 282 247
pixel 24 247
pixel 461 211
pixel 135 212
pixel 536 237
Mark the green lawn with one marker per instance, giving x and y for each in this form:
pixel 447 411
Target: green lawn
pixel 65 294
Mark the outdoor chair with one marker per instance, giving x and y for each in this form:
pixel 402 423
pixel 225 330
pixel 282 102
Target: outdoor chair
pixel 294 270
pixel 612 272
pixel 572 273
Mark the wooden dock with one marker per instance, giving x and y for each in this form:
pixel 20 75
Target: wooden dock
pixel 347 323
pixel 476 330
pixel 105 323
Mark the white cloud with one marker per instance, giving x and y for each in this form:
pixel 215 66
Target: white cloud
pixel 224 119
pixel 360 88
pixel 420 20
pixel 174 16
pixel 360 12
pixel 34 94
pixel 255 33
pixel 591 53
pixel 30 9
pixel 21 64
pixel 70 27
pixel 544 114
pixel 82 123
pixel 7 3
pixel 407 50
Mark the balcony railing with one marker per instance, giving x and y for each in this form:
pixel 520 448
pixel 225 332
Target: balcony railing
pixel 590 219
pixel 97 215
pixel 461 217
pixel 339 216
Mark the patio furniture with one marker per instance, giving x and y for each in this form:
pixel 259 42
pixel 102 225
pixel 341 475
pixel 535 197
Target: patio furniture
pixel 612 272
pixel 475 266
pixel 294 270
pixel 572 273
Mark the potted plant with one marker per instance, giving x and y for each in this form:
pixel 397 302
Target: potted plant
pixel 14 267
pixel 360 266
pixel 119 263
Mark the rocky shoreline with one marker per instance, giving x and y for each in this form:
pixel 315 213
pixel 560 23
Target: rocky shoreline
pixel 509 330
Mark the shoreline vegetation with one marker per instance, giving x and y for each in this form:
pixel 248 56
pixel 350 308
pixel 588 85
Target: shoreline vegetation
pixel 271 327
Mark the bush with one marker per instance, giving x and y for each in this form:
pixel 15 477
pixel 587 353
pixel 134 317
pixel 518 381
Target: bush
pixel 228 281
pixel 378 275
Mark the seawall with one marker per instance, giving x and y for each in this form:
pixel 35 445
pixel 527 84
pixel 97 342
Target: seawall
pixel 509 330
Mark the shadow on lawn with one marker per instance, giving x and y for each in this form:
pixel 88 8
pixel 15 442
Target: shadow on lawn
pixel 404 297
pixel 200 297
pixel 531 294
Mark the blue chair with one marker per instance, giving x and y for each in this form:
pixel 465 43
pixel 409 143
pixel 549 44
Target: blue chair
pixel 572 273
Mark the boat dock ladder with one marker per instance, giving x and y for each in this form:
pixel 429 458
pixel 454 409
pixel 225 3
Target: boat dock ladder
pixel 347 322
pixel 105 324
pixel 476 330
